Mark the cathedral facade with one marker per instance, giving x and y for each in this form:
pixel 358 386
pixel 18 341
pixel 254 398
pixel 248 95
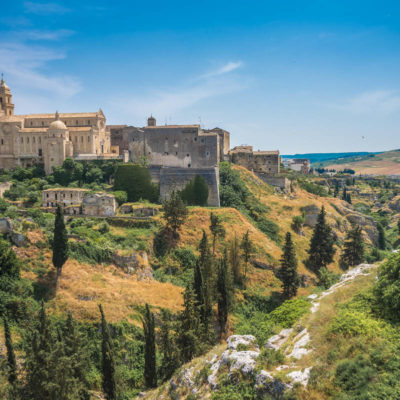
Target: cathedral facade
pixel 48 139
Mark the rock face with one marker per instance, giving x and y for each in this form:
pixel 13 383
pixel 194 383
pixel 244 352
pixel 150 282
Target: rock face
pixel 266 384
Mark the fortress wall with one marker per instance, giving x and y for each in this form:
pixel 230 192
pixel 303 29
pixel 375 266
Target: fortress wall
pixel 175 179
pixel 276 181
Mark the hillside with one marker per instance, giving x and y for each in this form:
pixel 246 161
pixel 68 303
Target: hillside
pixel 387 163
pixel 326 157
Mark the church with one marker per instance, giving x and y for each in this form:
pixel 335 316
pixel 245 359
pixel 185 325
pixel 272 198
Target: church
pixel 48 139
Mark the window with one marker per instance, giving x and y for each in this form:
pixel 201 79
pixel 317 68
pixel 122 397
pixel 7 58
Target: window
pixel 56 196
pixel 22 140
pixel 42 123
pixel 27 140
pixel 77 122
pixel 195 139
pixel 2 141
pixel 81 139
pixel 189 165
pixel 71 195
pixel 187 155
pixel 47 195
pixel 40 140
pixel 31 123
pixel 88 139
pixel 88 122
pixel 64 195
pixel 40 152
pixel 34 139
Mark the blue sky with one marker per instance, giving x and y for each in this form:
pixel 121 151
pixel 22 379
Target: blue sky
pixel 299 76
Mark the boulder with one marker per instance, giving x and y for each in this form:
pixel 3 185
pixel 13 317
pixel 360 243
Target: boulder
pixel 5 225
pixel 235 340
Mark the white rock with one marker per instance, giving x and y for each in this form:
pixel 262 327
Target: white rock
pixel 234 341
pixel 275 342
pixel 312 296
pixel 263 377
pixel 300 376
pixel 299 348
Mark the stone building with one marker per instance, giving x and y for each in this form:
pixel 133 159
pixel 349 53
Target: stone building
pixel 265 162
pixel 302 165
pixel 48 139
pixel 99 205
pixel 175 153
pixel 64 196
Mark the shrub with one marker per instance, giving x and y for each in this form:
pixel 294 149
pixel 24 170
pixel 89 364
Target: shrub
pixel 89 252
pixel 353 323
pixel 135 180
pixel 120 196
pixel 289 312
pixel 104 227
pixel 327 278
pixel 195 192
pixel 270 228
pixel 298 222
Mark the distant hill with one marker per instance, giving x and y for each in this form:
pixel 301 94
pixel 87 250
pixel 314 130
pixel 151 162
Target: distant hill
pixel 385 163
pixel 320 157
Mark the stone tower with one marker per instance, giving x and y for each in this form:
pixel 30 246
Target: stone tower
pixel 6 105
pixel 57 145
pixel 151 121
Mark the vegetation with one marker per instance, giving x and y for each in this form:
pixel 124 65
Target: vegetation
pixel 353 251
pixel 60 243
pixel 195 193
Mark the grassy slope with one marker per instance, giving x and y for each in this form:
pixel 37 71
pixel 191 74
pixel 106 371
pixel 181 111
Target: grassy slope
pixel 387 163
pixel 83 286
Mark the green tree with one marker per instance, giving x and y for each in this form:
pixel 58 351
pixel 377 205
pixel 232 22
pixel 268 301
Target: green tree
pixel 11 361
pixel 234 259
pixel 168 346
pixel 108 363
pixel 120 196
pixel 189 327
pixel 247 250
pixel 344 195
pixel 150 371
pixel 321 249
pixel 195 193
pixel 287 272
pixel 336 192
pixel 9 263
pixel 175 213
pixel 353 251
pixel 298 222
pixel 225 293
pixel 398 225
pixel 216 228
pixel 381 237
pixel 135 180
pixel 60 243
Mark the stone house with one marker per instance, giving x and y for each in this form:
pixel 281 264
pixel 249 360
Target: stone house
pixel 302 165
pixel 64 196
pixel 99 205
pixel 4 186
pixel 265 162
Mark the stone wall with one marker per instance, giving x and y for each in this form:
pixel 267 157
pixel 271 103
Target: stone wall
pixel 175 179
pixel 267 162
pixel 277 181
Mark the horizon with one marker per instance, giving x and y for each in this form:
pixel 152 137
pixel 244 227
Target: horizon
pixel 296 77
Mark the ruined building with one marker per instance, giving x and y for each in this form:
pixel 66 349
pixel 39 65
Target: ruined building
pixel 175 153
pixel 49 139
pixel 265 162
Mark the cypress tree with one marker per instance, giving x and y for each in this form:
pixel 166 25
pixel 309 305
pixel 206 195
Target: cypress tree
pixel 353 252
pixel 287 273
pixel 150 372
pixel 175 213
pixel 321 249
pixel 216 228
pixel 336 192
pixel 198 283
pixel 348 198
pixel 344 196
pixel 225 292
pixel 247 249
pixel 60 243
pixel 11 361
pixel 169 356
pixel 234 260
pixel 381 237
pixel 108 363
pixel 398 225
pixel 189 326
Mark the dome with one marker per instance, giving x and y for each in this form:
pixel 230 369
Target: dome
pixel 3 84
pixel 57 125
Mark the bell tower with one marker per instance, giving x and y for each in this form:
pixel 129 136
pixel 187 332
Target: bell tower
pixel 6 105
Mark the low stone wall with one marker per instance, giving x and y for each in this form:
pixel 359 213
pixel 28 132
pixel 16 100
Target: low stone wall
pixel 277 181
pixel 175 179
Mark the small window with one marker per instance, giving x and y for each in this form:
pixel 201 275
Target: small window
pixel 40 139
pixel 42 123
pixel 40 152
pixel 2 141
pixel 88 139
pixel 187 155
pixel 31 123
pixel 176 153
pixel 56 196
pixel 64 195
pixel 77 122
pixel 195 139
pixel 88 122
pixel 81 139
pixel 22 140
pixel 27 140
pixel 189 165
pixel 71 195
pixel 47 195
pixel 34 139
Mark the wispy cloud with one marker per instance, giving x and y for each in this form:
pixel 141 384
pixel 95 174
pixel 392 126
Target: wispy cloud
pixel 24 64
pixel 376 101
pixel 44 35
pixel 225 69
pixel 183 95
pixel 45 8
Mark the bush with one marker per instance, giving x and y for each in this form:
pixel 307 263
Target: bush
pixel 135 180
pixel 195 192
pixel 313 188
pixel 353 323
pixel 298 222
pixel 270 228
pixel 387 289
pixel 327 278
pixel 104 227
pixel 120 196
pixel 289 312
pixel 89 252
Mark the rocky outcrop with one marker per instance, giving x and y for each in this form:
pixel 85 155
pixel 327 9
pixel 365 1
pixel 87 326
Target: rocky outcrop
pixel 134 263
pixel 311 215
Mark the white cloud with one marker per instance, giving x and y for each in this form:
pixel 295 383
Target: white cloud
pixel 377 101
pixel 225 69
pixel 45 35
pixel 45 8
pixel 24 63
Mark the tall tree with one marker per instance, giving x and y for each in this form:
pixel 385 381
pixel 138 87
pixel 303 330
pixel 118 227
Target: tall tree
pixel 9 263
pixel 336 192
pixel 225 292
pixel 353 251
pixel 247 249
pixel 60 243
pixel 189 327
pixel 11 361
pixel 175 213
pixel 344 195
pixel 216 228
pixel 381 237
pixel 168 349
pixel 108 363
pixel 150 371
pixel 287 272
pixel 321 249
pixel 234 259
